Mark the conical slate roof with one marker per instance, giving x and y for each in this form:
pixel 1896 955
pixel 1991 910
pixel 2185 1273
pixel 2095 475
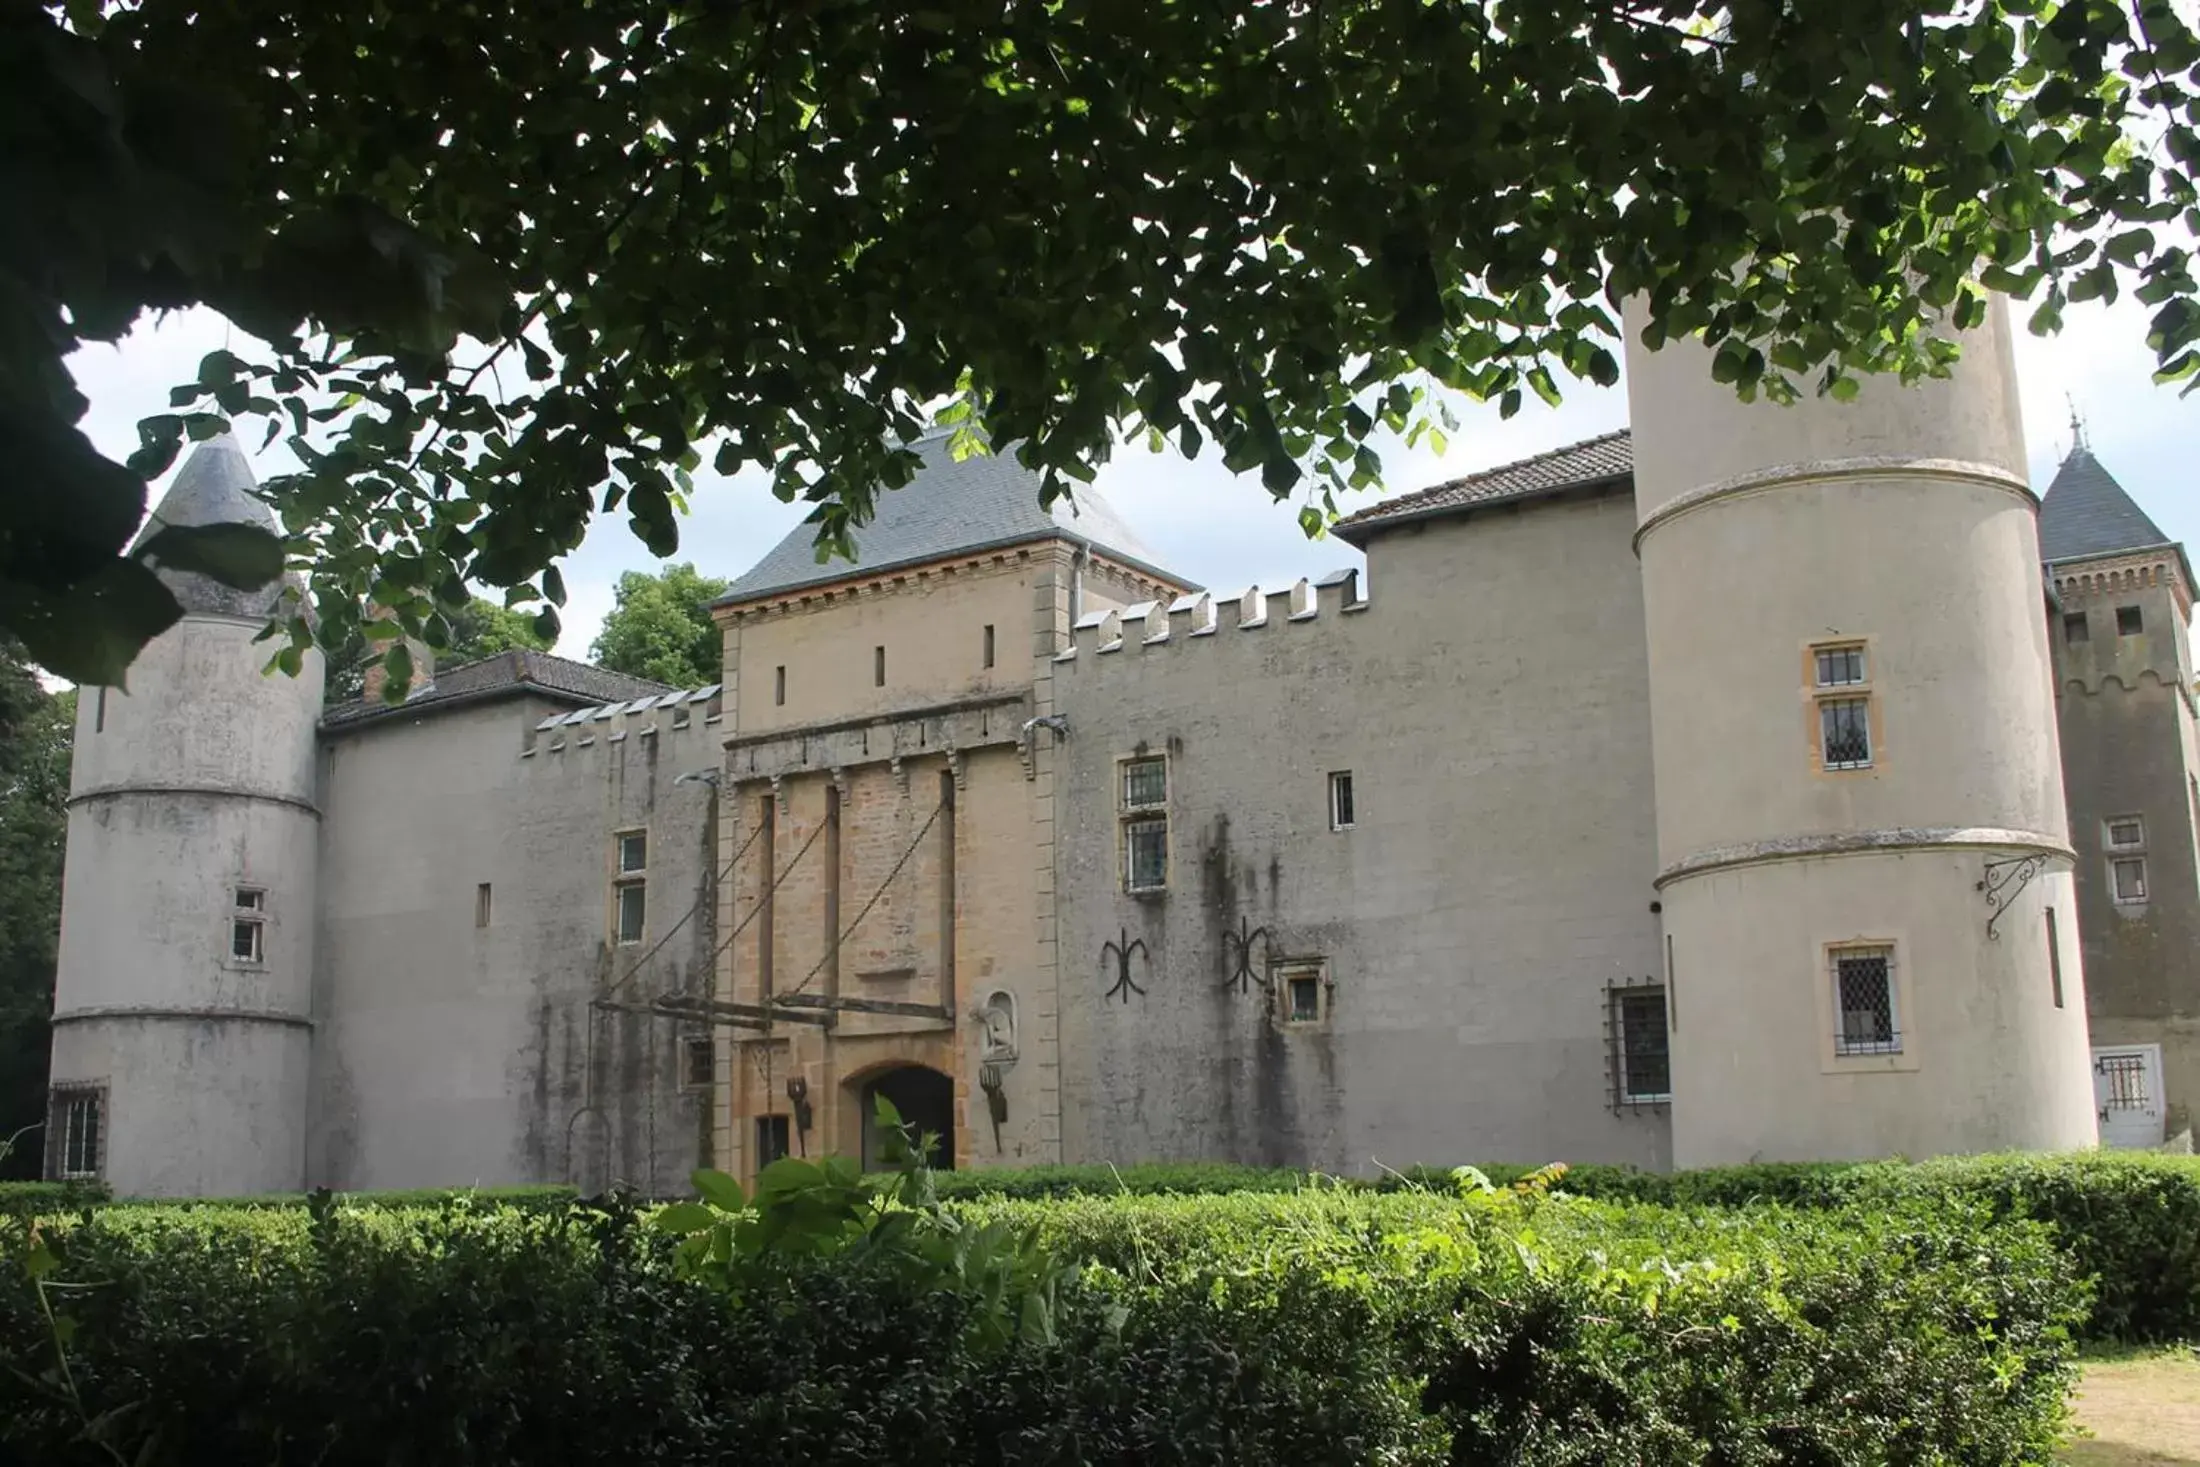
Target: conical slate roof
pixel 214 487
pixel 2087 513
pixel 985 501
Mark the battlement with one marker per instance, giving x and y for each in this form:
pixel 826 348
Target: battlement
pixel 1202 614
pixel 687 716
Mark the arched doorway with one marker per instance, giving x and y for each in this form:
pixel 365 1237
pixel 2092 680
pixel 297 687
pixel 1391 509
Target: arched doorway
pixel 926 1100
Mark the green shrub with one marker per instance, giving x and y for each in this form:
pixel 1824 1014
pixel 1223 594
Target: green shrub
pixel 1139 1179
pixel 1329 1325
pixel 511 1196
pixel 41 1197
pixel 2130 1220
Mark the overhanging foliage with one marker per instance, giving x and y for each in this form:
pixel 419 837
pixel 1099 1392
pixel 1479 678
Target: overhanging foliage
pixel 521 266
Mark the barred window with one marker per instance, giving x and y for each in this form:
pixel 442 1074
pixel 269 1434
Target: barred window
pixel 1145 817
pixel 1865 1018
pixel 1145 783
pixel 1645 1056
pixel 1845 732
pixel 699 1062
pixel 1840 675
pixel 1145 855
pixel 76 1132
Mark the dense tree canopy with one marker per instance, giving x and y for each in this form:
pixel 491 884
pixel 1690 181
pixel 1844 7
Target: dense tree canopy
pixel 35 729
pixel 523 264
pixel 660 628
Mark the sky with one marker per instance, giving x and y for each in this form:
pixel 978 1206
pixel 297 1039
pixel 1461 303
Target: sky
pixel 1225 532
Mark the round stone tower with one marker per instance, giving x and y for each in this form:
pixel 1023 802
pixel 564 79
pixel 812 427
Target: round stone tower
pixel 182 1002
pixel 1865 864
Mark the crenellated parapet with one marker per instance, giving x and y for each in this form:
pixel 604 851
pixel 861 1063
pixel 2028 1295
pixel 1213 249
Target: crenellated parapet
pixel 1203 614
pixel 688 717
pixel 2107 577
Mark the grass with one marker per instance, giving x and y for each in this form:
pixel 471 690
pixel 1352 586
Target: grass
pixel 2141 1410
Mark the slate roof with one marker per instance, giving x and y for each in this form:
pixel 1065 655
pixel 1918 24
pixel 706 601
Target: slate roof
pixel 2087 513
pixel 986 501
pixel 214 487
pixel 507 674
pixel 1609 459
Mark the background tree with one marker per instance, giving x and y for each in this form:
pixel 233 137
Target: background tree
pixel 660 628
pixel 35 731
pixel 523 265
pixel 479 629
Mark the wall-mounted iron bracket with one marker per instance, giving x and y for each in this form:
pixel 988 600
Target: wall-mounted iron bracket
pixel 2004 880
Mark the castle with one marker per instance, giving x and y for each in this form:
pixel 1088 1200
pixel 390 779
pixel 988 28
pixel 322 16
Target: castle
pixel 1759 783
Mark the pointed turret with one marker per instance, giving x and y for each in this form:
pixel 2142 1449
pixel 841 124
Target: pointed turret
pixel 215 487
pixel 2087 513
pixel 182 1006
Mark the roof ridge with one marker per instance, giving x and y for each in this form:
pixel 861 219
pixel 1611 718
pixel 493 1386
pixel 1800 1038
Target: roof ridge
pixel 1536 458
pixel 1603 458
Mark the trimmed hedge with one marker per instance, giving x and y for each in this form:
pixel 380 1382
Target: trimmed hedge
pixel 41 1197
pixel 2131 1220
pixel 1328 1326
pixel 509 1196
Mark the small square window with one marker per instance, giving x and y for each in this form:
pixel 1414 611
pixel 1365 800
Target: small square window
pixel 251 899
pixel 1145 783
pixel 1302 993
pixel 2076 628
pixel 989 644
pixel 2130 876
pixel 2129 623
pixel 76 1132
pixel 878 667
pixel 1845 732
pixel 771 1140
pixel 245 940
pixel 698 1062
pixel 2127 832
pixel 1145 855
pixel 1840 667
pixel 481 905
pixel 633 852
pixel 1865 1021
pixel 633 909
pixel 1641 1046
pixel 1340 800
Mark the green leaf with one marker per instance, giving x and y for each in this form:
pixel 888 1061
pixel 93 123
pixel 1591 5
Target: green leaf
pixel 245 557
pixel 683 1218
pixel 718 1189
pixel 91 631
pixel 160 439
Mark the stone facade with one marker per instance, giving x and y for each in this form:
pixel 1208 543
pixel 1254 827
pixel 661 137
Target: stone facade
pixel 2126 706
pixel 1532 843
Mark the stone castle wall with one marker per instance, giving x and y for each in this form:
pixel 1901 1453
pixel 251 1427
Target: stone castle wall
pixel 1490 702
